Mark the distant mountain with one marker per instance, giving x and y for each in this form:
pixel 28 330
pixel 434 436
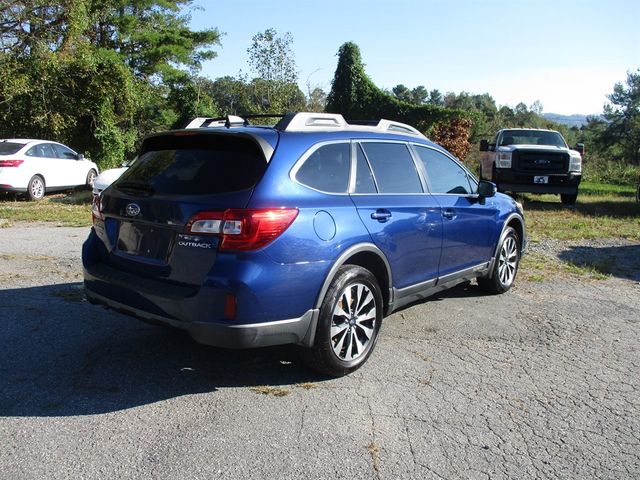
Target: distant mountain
pixel 569 120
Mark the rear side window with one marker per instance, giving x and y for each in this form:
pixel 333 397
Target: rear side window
pixel 9 148
pixel 195 165
pixel 393 167
pixel 445 175
pixel 327 168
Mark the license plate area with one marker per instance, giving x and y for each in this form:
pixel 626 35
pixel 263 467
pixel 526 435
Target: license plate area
pixel 542 179
pixel 146 241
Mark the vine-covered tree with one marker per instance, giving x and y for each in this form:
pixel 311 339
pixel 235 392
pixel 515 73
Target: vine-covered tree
pixel 355 96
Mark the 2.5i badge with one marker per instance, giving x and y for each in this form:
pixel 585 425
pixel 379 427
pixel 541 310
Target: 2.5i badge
pixel 194 241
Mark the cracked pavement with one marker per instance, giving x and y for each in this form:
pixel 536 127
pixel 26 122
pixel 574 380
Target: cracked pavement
pixel 541 382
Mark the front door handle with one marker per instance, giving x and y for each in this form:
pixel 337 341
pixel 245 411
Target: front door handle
pixel 448 213
pixel 381 215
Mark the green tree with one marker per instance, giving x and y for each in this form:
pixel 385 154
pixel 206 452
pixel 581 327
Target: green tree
pixel 98 74
pixel 623 114
pixel 274 88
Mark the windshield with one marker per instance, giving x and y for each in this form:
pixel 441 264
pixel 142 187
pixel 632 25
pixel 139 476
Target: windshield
pixel 532 137
pixel 194 165
pixel 9 148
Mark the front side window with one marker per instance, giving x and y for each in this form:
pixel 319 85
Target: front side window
pixel 393 167
pixel 327 168
pixel 445 175
pixel 63 152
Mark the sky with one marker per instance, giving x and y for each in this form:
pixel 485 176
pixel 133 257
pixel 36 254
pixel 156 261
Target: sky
pixel 567 54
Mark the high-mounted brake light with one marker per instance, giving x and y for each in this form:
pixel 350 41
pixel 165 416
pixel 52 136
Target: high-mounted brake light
pixel 243 229
pixel 11 163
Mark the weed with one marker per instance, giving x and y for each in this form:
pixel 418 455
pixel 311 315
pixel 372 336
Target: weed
pixel 275 391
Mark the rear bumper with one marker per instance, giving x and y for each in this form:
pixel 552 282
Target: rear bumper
pixel 299 331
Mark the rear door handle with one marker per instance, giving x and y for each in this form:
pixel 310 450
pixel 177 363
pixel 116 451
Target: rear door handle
pixel 381 215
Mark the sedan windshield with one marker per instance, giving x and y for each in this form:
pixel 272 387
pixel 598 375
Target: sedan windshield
pixel 9 148
pixel 532 137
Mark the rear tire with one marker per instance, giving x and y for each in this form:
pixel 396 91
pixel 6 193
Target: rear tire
pixel 91 178
pixel 36 188
pixel 568 198
pixel 349 322
pixel 506 265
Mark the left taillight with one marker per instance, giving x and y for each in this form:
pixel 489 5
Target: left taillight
pixel 11 163
pixel 96 209
pixel 243 229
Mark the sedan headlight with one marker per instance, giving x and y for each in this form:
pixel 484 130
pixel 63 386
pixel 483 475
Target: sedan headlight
pixel 503 160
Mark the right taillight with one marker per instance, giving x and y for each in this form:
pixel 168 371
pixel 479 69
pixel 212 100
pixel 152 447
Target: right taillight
pixel 96 209
pixel 243 229
pixel 11 163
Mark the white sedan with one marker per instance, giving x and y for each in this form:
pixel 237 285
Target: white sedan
pixel 35 167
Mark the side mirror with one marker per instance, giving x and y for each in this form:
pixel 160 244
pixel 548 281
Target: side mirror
pixel 579 148
pixel 79 156
pixel 484 145
pixel 487 189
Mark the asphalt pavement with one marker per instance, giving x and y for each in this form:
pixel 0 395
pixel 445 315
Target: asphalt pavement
pixel 541 382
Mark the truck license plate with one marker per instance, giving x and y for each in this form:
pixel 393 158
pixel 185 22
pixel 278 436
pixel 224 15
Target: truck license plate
pixel 540 179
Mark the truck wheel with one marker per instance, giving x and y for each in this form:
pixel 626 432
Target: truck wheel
pixel 568 199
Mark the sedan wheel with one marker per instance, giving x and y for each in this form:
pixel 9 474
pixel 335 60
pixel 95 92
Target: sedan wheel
pixel 91 178
pixel 36 188
pixel 349 322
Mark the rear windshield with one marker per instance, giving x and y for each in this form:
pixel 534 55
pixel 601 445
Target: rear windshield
pixel 195 165
pixel 9 148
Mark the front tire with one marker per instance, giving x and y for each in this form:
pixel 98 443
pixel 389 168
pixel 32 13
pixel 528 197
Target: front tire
pixel 568 198
pixel 506 265
pixel 36 188
pixel 349 322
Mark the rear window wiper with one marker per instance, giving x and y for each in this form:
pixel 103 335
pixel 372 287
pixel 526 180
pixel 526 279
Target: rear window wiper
pixel 135 186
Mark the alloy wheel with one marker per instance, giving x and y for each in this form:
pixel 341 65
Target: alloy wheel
pixel 353 322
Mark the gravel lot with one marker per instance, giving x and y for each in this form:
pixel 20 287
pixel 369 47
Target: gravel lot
pixel 542 382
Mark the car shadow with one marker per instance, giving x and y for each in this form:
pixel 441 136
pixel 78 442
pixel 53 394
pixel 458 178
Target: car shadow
pixel 61 356
pixel 621 261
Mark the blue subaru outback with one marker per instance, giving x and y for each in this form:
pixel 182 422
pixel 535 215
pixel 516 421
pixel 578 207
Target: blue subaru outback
pixel 308 232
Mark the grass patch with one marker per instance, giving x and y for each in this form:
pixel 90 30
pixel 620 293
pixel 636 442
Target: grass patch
pixel 602 211
pixel 537 267
pixel 68 209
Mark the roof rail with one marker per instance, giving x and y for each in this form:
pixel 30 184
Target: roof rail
pixel 308 122
pixel 312 122
pixel 228 121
